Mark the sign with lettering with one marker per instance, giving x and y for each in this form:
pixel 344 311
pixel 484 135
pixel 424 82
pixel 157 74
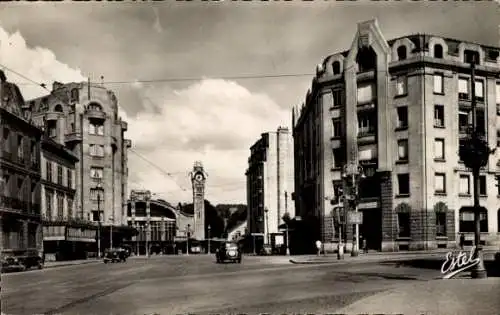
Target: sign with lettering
pixel 455 264
pixel 355 217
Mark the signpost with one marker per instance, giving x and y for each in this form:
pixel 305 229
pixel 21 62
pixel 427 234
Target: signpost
pixel 355 217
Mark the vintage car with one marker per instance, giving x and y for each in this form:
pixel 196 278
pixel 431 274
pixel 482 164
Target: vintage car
pixel 115 255
pixel 20 261
pixel 228 251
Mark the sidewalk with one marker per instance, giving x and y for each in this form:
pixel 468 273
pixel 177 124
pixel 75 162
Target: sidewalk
pixel 373 256
pixel 453 296
pixel 53 264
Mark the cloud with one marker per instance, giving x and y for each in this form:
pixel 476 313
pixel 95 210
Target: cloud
pixel 36 63
pixel 213 120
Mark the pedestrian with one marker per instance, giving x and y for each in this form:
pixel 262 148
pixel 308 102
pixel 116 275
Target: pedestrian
pixel 462 240
pixel 365 246
pixel 318 247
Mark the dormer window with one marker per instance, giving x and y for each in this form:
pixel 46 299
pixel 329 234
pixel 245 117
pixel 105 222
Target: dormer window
pixel 336 67
pixel 401 52
pixel 366 59
pixel 75 95
pixel 438 51
pixel 471 56
pixel 94 107
pixel 58 108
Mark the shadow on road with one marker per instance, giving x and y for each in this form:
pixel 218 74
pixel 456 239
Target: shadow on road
pixel 492 267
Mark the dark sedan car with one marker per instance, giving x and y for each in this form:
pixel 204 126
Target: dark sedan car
pixel 115 255
pixel 228 251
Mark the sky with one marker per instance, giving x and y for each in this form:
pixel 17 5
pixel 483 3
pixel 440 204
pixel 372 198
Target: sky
pixel 199 107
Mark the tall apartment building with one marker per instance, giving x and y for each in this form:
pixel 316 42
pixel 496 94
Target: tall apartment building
pixel 399 108
pixel 270 183
pixel 20 218
pixel 84 118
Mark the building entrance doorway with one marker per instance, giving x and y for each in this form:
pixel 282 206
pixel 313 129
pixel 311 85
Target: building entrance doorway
pixel 371 229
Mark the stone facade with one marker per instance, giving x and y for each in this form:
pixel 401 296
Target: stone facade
pixel 399 109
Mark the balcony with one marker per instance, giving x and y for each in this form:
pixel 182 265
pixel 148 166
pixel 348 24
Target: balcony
pixel 96 114
pixel 52 116
pixel 73 137
pixel 14 204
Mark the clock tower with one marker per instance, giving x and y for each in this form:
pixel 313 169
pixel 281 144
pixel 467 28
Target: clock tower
pixel 198 177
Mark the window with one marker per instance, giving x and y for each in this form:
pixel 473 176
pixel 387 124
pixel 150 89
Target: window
pixel 366 124
pixel 4 184
pixel 48 203
pixel 365 93
pixel 439 116
pixel 69 177
pixel 20 149
pixel 466 224
pixel 440 223
pixel 33 153
pixel 479 91
pixel 96 150
pixel 403 224
pixel 74 95
pixel 20 185
pixel 60 205
pixel 402 112
pixel 336 67
pixel 401 86
pixel 96 129
pixel 70 207
pixel 52 128
pixel 339 157
pixel 498 186
pixel 480 121
pixel 439 149
pixel 401 52
pixel 463 88
pixel 404 184
pixel 497 93
pixel 471 56
pixel 97 194
pixel 96 215
pixel 438 51
pixel 58 108
pixel 464 184
pixel 438 83
pixel 403 150
pixel 59 174
pixel 463 121
pixel 337 98
pixel 48 166
pixel 440 183
pixel 94 106
pixel 337 128
pixel 482 186
pixel 6 144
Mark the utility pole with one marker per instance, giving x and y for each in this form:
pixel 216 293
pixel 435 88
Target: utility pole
pixel 286 224
pixel 475 154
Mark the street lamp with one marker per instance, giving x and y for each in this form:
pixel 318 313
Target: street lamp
pixel 99 187
pixel 475 153
pixel 354 173
pixel 266 211
pixel 209 239
pixel 187 239
pixel 111 219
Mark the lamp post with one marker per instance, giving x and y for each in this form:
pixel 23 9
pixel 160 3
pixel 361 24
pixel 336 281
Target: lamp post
pixel 266 211
pixel 475 153
pixel 354 173
pixel 146 225
pixel 209 239
pixel 111 219
pixel 99 186
pixel 187 239
pixel 286 224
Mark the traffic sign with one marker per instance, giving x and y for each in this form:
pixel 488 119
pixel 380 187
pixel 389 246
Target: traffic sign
pixel 355 217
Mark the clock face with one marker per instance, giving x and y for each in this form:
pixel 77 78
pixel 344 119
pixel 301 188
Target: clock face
pixel 198 177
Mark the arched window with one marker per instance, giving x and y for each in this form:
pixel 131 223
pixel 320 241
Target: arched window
pixel 336 67
pixel 58 108
pixel 438 51
pixel 401 52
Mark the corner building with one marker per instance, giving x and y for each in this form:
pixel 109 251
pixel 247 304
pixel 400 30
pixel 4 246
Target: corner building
pixel 400 109
pixel 84 118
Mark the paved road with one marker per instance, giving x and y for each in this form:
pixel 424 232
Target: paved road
pixel 195 284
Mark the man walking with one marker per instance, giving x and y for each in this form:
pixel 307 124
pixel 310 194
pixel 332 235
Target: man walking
pixel 318 247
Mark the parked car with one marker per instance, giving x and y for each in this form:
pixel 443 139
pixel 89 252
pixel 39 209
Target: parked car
pixel 21 260
pixel 228 251
pixel 115 255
